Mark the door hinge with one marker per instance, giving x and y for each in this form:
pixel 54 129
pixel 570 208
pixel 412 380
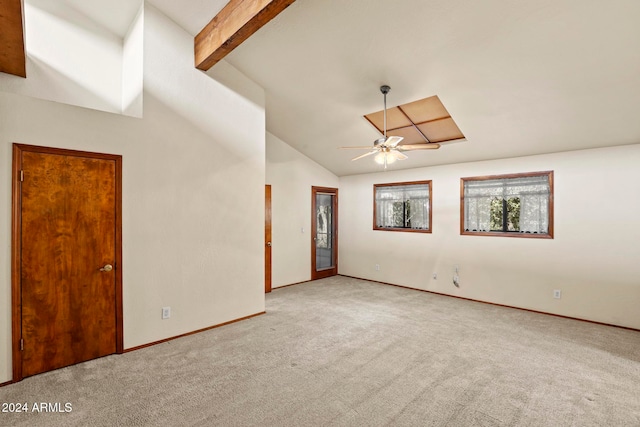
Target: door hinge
pixel 21 176
pixel 21 344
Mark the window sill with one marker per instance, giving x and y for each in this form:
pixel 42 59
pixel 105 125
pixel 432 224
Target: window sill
pixel 408 230
pixel 507 234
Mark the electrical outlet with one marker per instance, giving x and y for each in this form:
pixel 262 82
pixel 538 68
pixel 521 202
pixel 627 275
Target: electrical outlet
pixel 166 312
pixel 557 293
pixel 435 276
pixel 377 267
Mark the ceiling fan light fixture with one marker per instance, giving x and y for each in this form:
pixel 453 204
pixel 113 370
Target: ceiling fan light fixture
pixel 393 155
pixel 386 157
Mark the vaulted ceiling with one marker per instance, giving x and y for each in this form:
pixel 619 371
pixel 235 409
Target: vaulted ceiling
pixel 518 77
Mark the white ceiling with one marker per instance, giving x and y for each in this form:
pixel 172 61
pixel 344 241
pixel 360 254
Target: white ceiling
pixel 519 77
pixel 192 15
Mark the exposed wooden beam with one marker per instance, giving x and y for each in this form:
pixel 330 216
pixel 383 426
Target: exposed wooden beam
pixel 12 54
pixel 235 23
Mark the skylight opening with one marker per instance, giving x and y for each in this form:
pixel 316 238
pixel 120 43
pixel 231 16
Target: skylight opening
pixel 422 121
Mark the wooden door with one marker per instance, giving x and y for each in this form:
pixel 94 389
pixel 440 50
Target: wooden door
pixel 324 232
pixel 67 280
pixel 267 238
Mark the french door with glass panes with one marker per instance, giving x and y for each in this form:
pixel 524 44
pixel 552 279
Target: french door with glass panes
pixel 324 232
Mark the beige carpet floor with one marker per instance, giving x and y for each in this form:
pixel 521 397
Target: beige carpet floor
pixel 347 352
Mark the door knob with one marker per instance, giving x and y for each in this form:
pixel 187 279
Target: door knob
pixel 107 267
pixel 269 244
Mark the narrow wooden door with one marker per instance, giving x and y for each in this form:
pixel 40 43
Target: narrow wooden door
pixel 267 238
pixel 324 232
pixel 67 258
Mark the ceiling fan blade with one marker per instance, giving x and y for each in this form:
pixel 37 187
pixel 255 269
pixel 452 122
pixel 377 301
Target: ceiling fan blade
pixel 409 147
pixel 365 155
pixel 362 147
pixel 400 156
pixel 393 141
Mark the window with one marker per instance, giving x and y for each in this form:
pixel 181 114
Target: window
pixel 404 206
pixel 518 205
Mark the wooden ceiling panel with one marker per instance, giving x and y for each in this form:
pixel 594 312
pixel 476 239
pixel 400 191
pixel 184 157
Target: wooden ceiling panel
pixel 425 110
pixel 409 133
pixel 12 54
pixel 441 130
pixel 428 114
pixel 395 119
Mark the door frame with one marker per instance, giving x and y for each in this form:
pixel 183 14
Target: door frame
pixel 267 239
pixel 333 270
pixel 16 247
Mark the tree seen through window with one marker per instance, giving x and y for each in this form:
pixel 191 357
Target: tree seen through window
pixel 505 214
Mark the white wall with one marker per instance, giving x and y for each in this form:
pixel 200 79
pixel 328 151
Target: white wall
pixel 70 58
pixel 593 258
pixel 291 175
pixel 193 189
pixel 133 66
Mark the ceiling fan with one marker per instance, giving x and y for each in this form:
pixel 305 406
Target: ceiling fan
pixel 388 149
